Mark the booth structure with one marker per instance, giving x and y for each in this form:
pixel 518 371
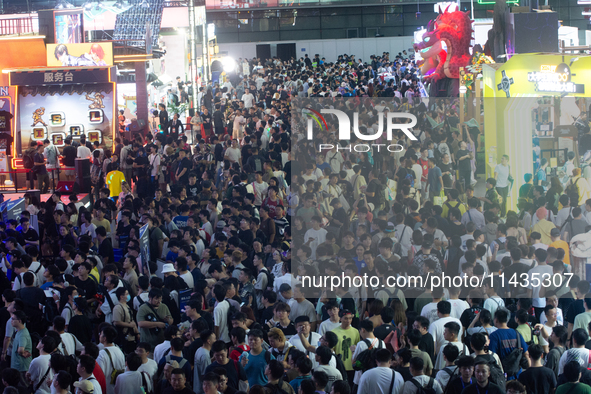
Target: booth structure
pixel 56 103
pixel 532 106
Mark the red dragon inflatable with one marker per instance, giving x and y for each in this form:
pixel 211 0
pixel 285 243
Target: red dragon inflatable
pixel 455 30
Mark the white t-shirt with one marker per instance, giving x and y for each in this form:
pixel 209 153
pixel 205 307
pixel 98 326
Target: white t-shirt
pixel 150 367
pixel 440 362
pixel 83 153
pixel 540 274
pixel 581 355
pixel 430 312
pixel 160 349
pixel 136 303
pixel 319 237
pixel 326 326
pixel 313 339
pixel 502 175
pixel 106 363
pixel 38 270
pixel 360 347
pixel 494 303
pixel 379 380
pixel 443 377
pixel 458 307
pixel 220 318
pixel 154 161
pixel 130 381
pixel 248 99
pixel 38 368
pixel 70 343
pixel 436 330
pixel 543 319
pixel 423 380
pixel 202 361
pixel 233 154
pixel 97 387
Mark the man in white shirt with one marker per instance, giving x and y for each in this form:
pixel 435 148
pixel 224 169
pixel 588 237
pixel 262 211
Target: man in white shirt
pixel 259 189
pixel 302 324
pixel 315 236
pixel 367 339
pixel 248 98
pixel 130 380
pixel 437 327
pixel 83 153
pixel 418 377
pixel 233 153
pixel 111 284
pixel 537 275
pixel 110 357
pixel 430 310
pixel 220 314
pixel 148 366
pixel 39 370
pixel 379 379
pixel 450 334
pixel 70 344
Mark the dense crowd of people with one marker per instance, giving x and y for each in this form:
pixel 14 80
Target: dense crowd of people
pixel 186 272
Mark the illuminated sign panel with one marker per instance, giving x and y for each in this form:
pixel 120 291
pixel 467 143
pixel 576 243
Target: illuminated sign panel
pixel 556 79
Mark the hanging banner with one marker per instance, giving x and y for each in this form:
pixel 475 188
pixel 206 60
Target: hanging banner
pixel 144 246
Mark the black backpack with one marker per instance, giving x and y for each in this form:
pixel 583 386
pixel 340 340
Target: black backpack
pixel 276 388
pixel 340 364
pixel 230 314
pixel 424 390
pixel 28 160
pixel 270 278
pixel 512 363
pixel 367 358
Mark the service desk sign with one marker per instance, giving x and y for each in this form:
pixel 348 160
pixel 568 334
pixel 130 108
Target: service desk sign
pixel 554 79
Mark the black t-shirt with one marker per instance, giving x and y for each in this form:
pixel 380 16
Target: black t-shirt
pixel 185 163
pixel 88 286
pixel 142 161
pixel 189 351
pixel 246 236
pixel 218 119
pixel 538 380
pixel 70 153
pixel 30 235
pixel 383 331
pixel 375 187
pixel 193 190
pixel 231 368
pixel 106 250
pixel 574 309
pixel 427 345
pixel 463 165
pixel 457 385
pixel 405 372
pixel 81 327
pixel 123 230
pixel 490 388
pixel 447 179
pixel 468 315
pixel 206 121
pixel 4 316
pixel 170 390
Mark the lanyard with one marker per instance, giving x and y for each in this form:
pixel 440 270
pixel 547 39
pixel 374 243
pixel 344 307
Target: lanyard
pixel 463 386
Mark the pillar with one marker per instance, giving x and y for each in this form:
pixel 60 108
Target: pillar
pixel 141 94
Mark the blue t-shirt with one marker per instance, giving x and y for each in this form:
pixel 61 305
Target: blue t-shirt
pixel 180 221
pixel 46 285
pixel 171 256
pixel 255 368
pixel 503 341
pixel 433 178
pixel 298 381
pixel 21 339
pixel 360 264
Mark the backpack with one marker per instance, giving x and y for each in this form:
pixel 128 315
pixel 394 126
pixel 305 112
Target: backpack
pixel 270 278
pixel 424 390
pixel 340 364
pixel 230 314
pixel 512 363
pixel 496 374
pixel 409 177
pixel 116 372
pixel 449 207
pixel 28 160
pixel 573 189
pixel 380 195
pixel 367 358
pixel 276 388
pixel 50 311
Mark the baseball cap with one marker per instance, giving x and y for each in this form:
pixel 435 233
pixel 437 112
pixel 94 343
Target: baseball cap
pixel 221 224
pixel 85 386
pixel 346 312
pixel 555 232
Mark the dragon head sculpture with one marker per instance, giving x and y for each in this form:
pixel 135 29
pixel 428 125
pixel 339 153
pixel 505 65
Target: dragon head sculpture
pixel 446 45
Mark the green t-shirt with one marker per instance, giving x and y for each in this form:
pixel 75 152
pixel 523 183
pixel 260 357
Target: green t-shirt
pixel 347 338
pixel 21 339
pixel 151 335
pixel 581 388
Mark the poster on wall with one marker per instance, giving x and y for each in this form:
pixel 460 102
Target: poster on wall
pixel 80 55
pixel 59 114
pixel 68 28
